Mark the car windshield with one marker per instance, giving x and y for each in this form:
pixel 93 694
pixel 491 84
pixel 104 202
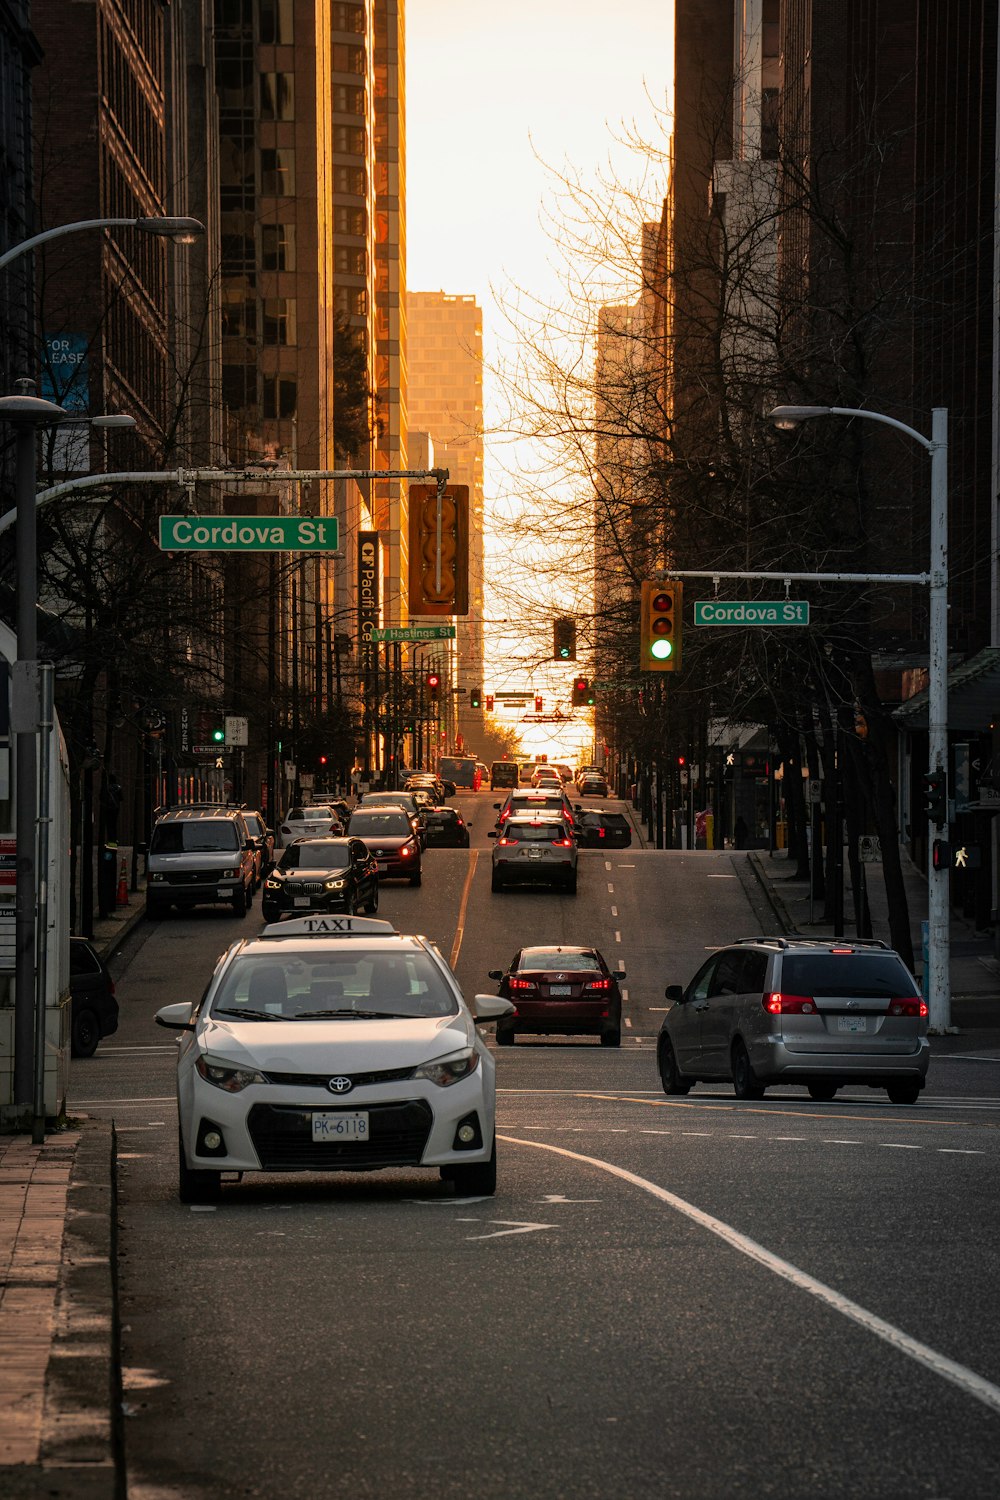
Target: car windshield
pixel 856 974
pixel 389 984
pixel 551 958
pixel 315 857
pixel 208 837
pixel 380 824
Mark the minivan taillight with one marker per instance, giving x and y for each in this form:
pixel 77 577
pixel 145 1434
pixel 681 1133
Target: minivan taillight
pixel 778 1004
pixel 909 1005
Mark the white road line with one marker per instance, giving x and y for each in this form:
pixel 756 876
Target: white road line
pixel 614 911
pixel 960 1375
pixel 734 1137
pixel 618 937
pixel 628 1023
pixel 607 865
pixel 624 867
pixel 957 1151
pixel 897 1146
pixel 840 1143
pixel 624 994
pixel 789 1138
pixel 656 1132
pixel 611 889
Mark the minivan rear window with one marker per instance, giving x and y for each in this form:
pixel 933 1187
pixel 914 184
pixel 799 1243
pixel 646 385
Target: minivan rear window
pixel 208 837
pixel 856 974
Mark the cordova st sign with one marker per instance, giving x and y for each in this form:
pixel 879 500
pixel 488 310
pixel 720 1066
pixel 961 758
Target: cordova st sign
pixel 249 533
pixel 751 612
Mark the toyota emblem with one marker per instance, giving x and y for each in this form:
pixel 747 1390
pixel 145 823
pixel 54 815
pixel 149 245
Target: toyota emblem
pixel 340 1085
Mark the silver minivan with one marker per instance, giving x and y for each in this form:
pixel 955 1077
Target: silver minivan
pixel 200 856
pixel 797 1010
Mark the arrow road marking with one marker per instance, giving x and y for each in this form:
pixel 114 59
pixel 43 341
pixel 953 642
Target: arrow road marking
pixel 558 1198
pixel 517 1226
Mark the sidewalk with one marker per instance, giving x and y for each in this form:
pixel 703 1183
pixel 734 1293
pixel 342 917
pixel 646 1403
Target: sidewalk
pixel 974 970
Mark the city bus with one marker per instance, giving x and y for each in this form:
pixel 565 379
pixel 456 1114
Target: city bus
pixel 461 769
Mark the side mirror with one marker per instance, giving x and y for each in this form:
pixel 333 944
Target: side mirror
pixel 496 973
pixel 492 833
pixel 175 1017
pixel 619 974
pixel 498 805
pixel 491 1008
pixel 578 807
pixel 674 992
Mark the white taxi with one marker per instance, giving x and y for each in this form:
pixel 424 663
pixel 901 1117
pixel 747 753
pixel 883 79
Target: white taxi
pixel 334 1044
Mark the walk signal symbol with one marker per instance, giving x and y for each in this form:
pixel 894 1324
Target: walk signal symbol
pixel 660 626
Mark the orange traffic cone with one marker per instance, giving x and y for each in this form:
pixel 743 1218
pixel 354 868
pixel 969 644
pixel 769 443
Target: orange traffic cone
pixel 122 897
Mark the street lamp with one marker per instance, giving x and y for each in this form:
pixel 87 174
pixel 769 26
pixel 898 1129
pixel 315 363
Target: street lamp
pixel 182 231
pixel 938 949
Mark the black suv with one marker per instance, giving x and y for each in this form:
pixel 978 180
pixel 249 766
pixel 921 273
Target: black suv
pixel 600 829
pixel 321 874
pixel 817 1012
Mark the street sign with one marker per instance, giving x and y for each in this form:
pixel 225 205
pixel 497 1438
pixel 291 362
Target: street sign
pixel 869 848
pixel 751 612
pixel 414 633
pixel 249 534
pixel 237 730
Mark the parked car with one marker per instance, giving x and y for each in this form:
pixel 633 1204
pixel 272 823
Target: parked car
pixel 390 836
pixel 560 991
pixel 263 841
pixel 819 1012
pixel 317 820
pixel 323 875
pixel 600 829
pixel 530 850
pixel 334 1044
pixel 93 1006
pixel 446 828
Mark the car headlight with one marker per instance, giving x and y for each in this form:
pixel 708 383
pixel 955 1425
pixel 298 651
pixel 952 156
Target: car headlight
pixel 334 885
pixel 157 878
pixel 229 874
pixel 449 1070
pixel 224 1076
pixel 271 884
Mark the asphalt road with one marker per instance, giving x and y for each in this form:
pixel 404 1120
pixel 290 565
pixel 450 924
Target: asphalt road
pixel 692 1297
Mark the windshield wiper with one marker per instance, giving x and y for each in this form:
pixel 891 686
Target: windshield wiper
pixel 249 1015
pixel 364 1015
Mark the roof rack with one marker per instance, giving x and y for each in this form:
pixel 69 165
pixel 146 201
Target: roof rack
pixel 814 942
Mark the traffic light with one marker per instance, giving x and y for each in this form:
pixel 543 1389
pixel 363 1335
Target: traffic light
pixel 475 698
pixel 433 681
pixel 538 703
pixel 936 796
pixel 439 550
pixel 941 854
pixel 489 703
pixel 564 639
pixel 660 626
pixel 322 761
pixel 218 736
pixel 582 694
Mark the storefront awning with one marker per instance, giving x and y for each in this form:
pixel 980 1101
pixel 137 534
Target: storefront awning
pixel 973 697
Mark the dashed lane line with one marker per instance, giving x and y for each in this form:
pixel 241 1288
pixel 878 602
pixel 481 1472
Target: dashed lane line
pixel 939 1364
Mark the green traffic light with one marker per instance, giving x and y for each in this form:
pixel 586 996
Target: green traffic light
pixel 661 649
pixel 218 735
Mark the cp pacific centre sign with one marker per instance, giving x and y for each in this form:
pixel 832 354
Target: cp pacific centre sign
pixel 249 534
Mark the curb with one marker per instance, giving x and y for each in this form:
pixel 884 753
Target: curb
pixel 761 894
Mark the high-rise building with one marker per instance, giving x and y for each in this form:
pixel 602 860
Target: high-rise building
pixel 19 53
pixel 445 399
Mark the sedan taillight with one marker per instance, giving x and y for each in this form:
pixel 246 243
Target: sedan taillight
pixel 522 984
pixel 778 1004
pixel 598 984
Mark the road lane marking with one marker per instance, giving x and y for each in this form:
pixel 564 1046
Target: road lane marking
pixel 518 1226
pixel 628 1023
pixel 834 1142
pixel 460 929
pixel 730 1107
pixel 895 1146
pixel 959 1375
pixel 618 937
pixel 611 889
pixel 614 911
pixel 607 866
pixel 957 1151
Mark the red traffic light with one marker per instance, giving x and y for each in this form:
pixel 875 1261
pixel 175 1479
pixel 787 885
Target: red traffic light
pixel 433 680
pixel 538 703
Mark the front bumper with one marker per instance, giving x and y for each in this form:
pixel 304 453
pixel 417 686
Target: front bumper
pixel 274 908
pixel 267 1127
pixel 193 892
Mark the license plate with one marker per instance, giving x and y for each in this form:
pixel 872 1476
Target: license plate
pixel 225 890
pixel 531 853
pixel 339 1127
pixel 382 865
pixel 300 901
pixel 560 989
pixel 852 1023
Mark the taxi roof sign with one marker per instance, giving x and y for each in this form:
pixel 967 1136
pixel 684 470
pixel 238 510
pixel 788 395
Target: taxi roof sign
pixel 329 926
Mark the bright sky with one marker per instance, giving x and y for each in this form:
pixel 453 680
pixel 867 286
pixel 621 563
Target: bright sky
pixel 494 92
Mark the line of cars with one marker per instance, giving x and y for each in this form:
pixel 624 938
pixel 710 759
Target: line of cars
pixel 538 832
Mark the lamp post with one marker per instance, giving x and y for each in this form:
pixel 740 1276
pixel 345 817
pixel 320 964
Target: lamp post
pixel 182 231
pixel 938 951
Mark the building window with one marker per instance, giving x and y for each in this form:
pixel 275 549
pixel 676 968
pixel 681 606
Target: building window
pixel 348 59
pixel 349 260
pixel 349 18
pixel 276 22
pixel 349 180
pixel 352 301
pixel 239 310
pixel 347 101
pixel 236 386
pixel 279 397
pixel 277 172
pixel 277 96
pixel 278 320
pixel 349 221
pixel 277 247
pixel 349 140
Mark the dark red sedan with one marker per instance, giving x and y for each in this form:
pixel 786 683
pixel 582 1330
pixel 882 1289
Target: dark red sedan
pixel 562 991
pixel 388 833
